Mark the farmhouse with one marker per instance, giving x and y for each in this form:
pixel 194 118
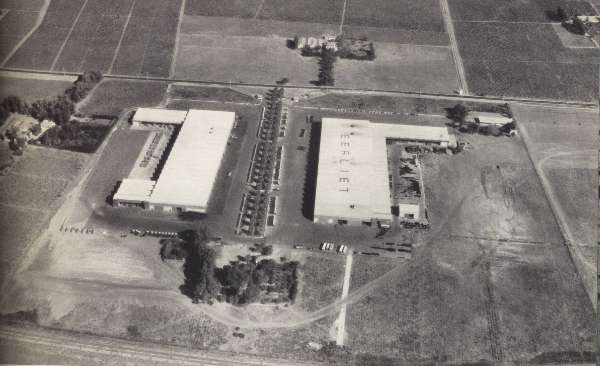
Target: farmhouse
pixel 189 173
pixel 353 182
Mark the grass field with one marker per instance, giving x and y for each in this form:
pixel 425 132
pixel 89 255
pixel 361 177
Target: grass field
pixel 31 90
pixel 515 10
pixel 197 92
pixel 403 36
pixel 149 40
pixel 424 15
pixel 533 80
pixel 400 67
pixel 322 280
pixel 111 97
pixel 39 51
pixel 366 269
pixel 242 59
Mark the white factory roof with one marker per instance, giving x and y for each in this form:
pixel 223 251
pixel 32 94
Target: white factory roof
pixel 134 190
pixel 159 115
pixel 489 118
pixel 191 169
pixel 412 132
pixel 353 177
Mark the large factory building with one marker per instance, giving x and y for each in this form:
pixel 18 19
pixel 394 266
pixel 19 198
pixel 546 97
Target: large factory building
pixel 189 173
pixel 353 182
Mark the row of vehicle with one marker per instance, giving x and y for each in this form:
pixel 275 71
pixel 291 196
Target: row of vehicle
pixel 340 248
pixel 166 234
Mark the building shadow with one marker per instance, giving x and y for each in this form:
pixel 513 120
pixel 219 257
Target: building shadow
pixel 312 165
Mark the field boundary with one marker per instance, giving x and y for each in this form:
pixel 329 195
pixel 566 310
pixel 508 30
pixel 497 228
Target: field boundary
pixel 38 22
pixel 64 44
pixel 173 65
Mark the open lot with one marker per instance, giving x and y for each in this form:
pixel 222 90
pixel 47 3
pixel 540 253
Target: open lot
pixel 489 264
pixel 32 190
pixel 564 143
pixel 40 50
pixel 31 90
pixel 540 11
pixel 111 97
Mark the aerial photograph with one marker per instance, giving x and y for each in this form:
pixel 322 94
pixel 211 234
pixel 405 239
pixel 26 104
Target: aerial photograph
pixel 299 182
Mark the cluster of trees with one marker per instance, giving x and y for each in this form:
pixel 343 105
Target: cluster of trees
pixel 246 280
pixel 458 115
pixel 75 136
pixel 326 63
pixel 82 86
pixel 571 21
pixel 241 282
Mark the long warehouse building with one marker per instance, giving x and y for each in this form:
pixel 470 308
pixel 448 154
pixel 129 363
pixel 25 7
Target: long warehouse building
pixel 186 181
pixel 353 176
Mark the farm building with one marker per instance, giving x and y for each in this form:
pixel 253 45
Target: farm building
pixel 153 116
pixel 488 119
pixel 24 126
pixel 353 181
pixel 187 178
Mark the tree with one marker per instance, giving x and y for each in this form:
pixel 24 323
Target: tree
pixel 458 113
pixel 579 26
pixel 561 14
pixel 266 250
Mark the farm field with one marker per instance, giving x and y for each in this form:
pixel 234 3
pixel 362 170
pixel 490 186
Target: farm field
pixel 217 26
pixel 223 8
pixel 19 20
pixel 539 67
pixel 95 36
pixel 33 187
pixel 40 50
pixel 31 90
pixel 424 15
pixel 149 41
pixel 540 11
pixel 560 81
pixel 400 67
pixel 111 97
pixel 243 59
pixel 314 11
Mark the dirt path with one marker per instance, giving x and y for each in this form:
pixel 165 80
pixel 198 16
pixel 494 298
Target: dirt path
pixel 341 329
pixel 177 40
pixel 38 22
pixel 460 69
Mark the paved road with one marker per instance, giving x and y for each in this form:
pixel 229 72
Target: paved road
pixel 407 93
pixel 39 345
pixel 341 330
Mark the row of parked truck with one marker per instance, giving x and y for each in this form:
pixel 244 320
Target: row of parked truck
pixel 339 248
